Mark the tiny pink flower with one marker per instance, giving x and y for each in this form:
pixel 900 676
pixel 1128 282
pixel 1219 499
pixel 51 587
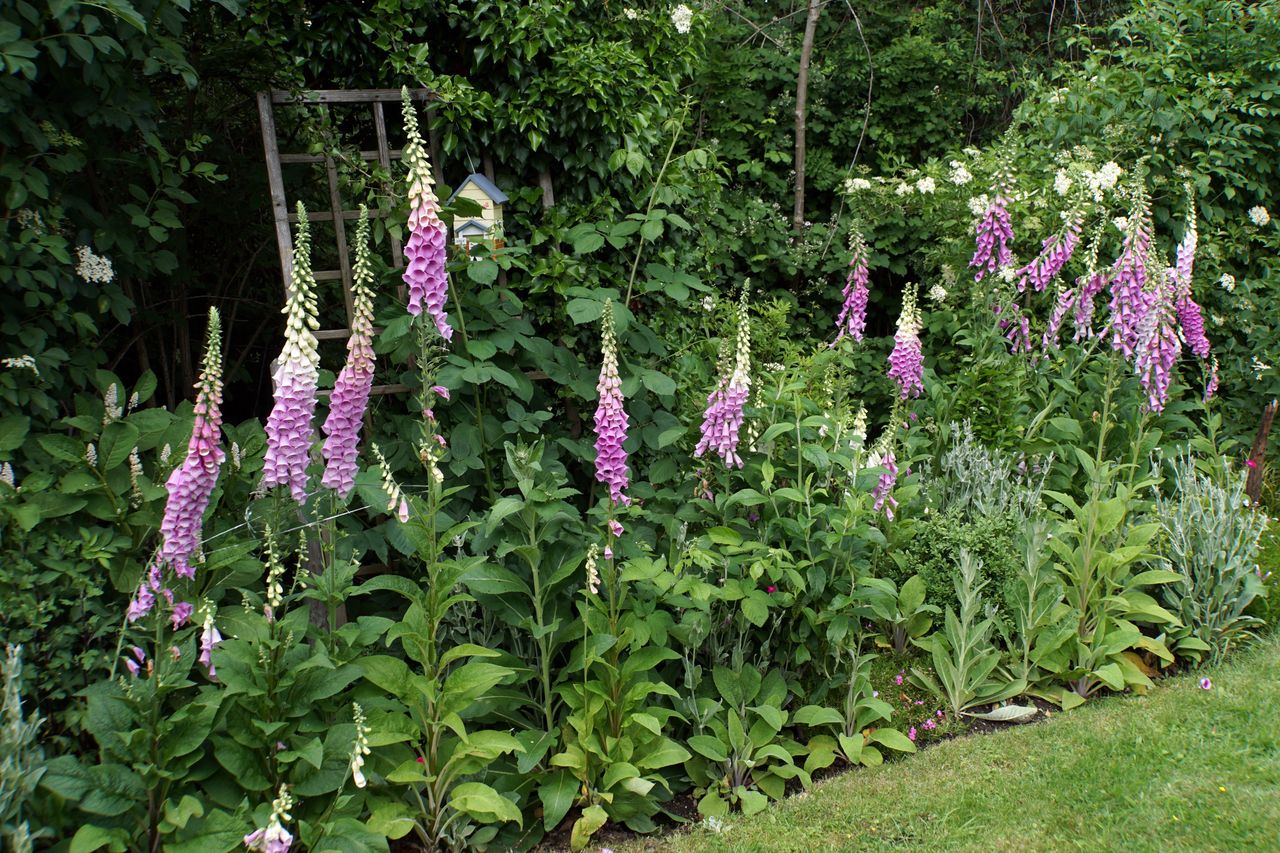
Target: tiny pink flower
pixel 440 391
pixel 875 694
pixel 897 679
pixel 919 701
pixel 770 589
pixel 608 553
pixel 132 666
pixel 615 527
pixel 940 714
pixel 139 654
pixel 1206 684
pixel 930 725
pixel 1252 463
pixel 912 733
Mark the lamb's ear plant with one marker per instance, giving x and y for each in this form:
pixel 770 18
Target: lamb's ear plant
pixel 21 758
pixel 1210 539
pixel 964 654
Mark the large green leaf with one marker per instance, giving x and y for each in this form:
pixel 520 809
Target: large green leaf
pixel 482 802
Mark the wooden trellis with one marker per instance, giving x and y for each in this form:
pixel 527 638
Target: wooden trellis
pixel 338 213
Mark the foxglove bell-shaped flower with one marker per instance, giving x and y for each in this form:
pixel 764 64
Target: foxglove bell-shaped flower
pixel 351 390
pixel 1158 349
pixel 853 313
pixel 611 418
pixel 884 486
pixel 1130 300
pixel 274 838
pixel 209 639
pixel 1066 299
pixel 297 372
pixel 1055 251
pixel 994 234
pixel 722 420
pixel 191 484
pixel 424 273
pixel 1087 289
pixel 1190 318
pixel 906 362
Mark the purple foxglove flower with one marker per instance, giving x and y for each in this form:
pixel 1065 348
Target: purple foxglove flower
pixel 139 654
pixel 853 314
pixel 1055 251
pixel 888 479
pixel 906 362
pixel 1017 329
pixel 424 273
pixel 1211 385
pixel 132 666
pixel 1130 300
pixel 289 427
pixel 440 391
pixel 722 420
pixel 1191 322
pixel 1066 299
pixel 615 527
pixel 181 613
pixel 994 234
pixel 1158 350
pixel 209 639
pixel 351 390
pixel 1083 315
pixel 611 417
pixel 191 484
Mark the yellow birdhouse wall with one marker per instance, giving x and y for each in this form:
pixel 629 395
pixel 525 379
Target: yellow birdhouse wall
pixel 491 213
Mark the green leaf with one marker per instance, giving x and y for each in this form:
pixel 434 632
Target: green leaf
pixel 393 820
pixel 556 794
pixel 118 439
pixel 665 754
pixel 816 715
pixel 893 739
pixel 482 802
pixel 658 383
pixel 483 271
pixel 13 431
pixel 755 607
pixel 582 310
pixel 593 817
pixel 708 746
pixel 89 838
pixel 588 243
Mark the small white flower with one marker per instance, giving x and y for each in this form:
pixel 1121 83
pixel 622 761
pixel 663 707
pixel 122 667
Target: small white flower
pixel 93 268
pixel 959 174
pixel 360 748
pixel 938 294
pixel 948 275
pixel 978 205
pixel 1062 182
pixel 902 189
pixel 1259 215
pixel 236 455
pixel 1121 223
pixel 6 474
pixel 1228 282
pixel 1217 319
pixel 111 408
pixel 926 186
pixel 165 453
pixel 852 185
pixel 133 401
pixel 682 18
pixel 631 14
pixel 21 362
pixel 91 455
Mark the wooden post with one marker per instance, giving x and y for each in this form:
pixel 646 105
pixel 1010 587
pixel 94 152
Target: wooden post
pixel 1258 454
pixel 802 97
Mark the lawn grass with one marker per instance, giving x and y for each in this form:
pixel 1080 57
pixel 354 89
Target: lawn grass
pixel 1180 769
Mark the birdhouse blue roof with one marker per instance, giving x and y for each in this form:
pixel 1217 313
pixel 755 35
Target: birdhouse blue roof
pixel 486 186
pixel 471 227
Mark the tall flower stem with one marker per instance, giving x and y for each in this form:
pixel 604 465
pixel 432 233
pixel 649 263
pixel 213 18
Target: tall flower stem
pixel 653 196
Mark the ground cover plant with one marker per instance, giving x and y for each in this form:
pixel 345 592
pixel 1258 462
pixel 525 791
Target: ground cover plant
pixel 663 529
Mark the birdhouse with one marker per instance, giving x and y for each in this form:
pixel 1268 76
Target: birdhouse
pixel 468 231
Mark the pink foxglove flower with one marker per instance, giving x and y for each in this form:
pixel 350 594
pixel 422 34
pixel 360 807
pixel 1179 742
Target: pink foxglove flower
pixel 994 234
pixel 1087 290
pixel 1190 318
pixel 274 838
pixel 425 250
pixel 1065 301
pixel 906 362
pixel 884 487
pixel 1158 349
pixel 1055 251
pixel 191 484
pixel 611 417
pixel 351 390
pixel 1211 384
pixel 297 372
pixel 209 639
pixel 722 420
pixel 1130 299
pixel 853 314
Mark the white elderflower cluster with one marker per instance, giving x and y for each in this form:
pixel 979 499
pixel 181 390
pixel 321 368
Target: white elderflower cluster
pixel 682 18
pixel 938 294
pixel 926 186
pixel 94 269
pixel 959 174
pixel 1228 282
pixel 1104 179
pixel 1062 182
pixel 1259 216
pixel 902 189
pixel 852 185
pixel 630 14
pixel 978 205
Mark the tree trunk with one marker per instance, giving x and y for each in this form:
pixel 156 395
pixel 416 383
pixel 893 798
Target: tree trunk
pixel 802 97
